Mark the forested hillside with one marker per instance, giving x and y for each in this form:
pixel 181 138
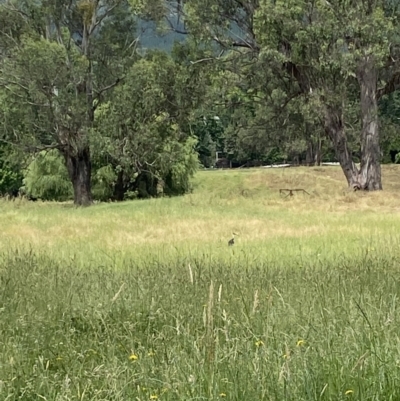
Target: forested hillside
pixel 124 99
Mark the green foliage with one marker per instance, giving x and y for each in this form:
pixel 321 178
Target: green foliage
pixel 57 72
pixel 41 94
pixel 10 181
pixel 71 78
pixel 390 122
pixel 185 164
pixel 272 51
pixel 103 181
pixel 209 130
pixel 46 178
pixel 140 130
pixel 10 172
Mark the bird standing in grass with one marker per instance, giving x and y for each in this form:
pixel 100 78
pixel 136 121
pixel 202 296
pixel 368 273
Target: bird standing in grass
pixel 232 240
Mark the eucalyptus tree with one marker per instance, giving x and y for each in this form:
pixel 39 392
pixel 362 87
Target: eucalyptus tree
pixel 334 50
pixel 338 55
pixel 57 69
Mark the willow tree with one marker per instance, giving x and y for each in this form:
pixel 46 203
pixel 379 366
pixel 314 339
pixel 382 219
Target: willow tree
pixel 55 75
pixel 143 131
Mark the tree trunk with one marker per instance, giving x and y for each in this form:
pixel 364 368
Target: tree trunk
pixel 314 152
pixel 310 159
pixel 80 169
pixel 318 152
pixel 119 188
pixel 334 129
pixel 370 169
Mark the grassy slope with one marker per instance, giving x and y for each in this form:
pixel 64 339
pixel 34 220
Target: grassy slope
pixel 304 307
pixel 329 223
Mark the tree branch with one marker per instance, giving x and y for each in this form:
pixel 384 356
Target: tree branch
pixel 36 149
pixel 105 89
pixel 33 148
pixel 203 60
pixel 108 87
pixel 246 45
pixel 174 29
pixel 243 44
pixel 100 19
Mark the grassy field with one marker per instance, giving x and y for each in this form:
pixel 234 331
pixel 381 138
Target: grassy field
pixel 144 300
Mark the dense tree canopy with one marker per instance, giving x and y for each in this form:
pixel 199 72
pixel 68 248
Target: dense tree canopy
pixel 340 57
pixel 254 79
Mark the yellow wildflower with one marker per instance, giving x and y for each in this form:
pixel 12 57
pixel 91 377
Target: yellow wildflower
pixel 59 358
pixel 222 395
pixel 348 392
pixel 259 343
pixel 300 343
pixel 133 357
pixel 154 397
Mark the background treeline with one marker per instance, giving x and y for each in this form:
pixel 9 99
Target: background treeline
pixel 119 99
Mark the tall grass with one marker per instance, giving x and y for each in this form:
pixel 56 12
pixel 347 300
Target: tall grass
pixel 204 331
pixel 145 300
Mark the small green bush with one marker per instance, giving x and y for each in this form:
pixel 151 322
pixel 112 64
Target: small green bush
pixel 47 178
